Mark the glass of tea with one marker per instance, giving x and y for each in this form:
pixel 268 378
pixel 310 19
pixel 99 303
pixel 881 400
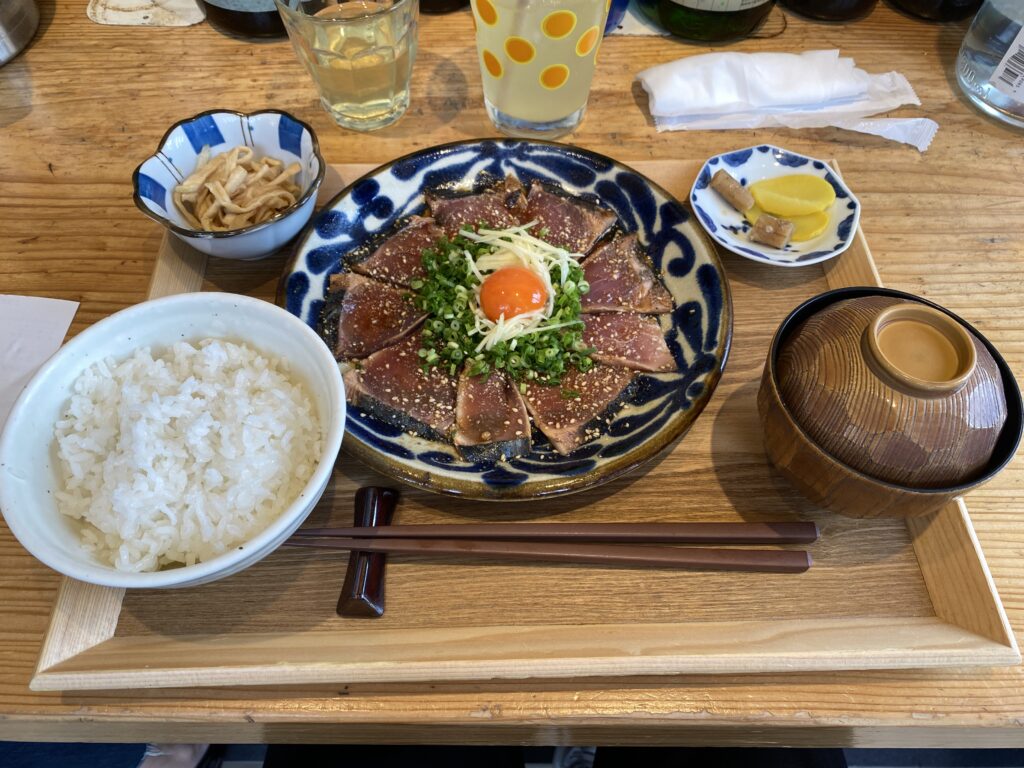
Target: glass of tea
pixel 537 60
pixel 359 53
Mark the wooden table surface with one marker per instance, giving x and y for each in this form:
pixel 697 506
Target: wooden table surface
pixel 86 103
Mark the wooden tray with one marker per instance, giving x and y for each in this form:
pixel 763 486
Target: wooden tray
pixel 882 593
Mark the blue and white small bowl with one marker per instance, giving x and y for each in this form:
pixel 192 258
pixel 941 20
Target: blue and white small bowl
pixel 270 133
pixel 730 229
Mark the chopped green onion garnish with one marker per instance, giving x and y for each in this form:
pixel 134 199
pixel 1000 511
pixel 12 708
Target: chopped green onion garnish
pixel 454 335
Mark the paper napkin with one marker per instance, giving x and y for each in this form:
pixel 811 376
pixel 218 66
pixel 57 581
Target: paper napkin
pixel 31 330
pixel 814 89
pixel 145 13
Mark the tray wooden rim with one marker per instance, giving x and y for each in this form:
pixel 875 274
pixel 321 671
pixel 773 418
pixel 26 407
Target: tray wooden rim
pixel 970 627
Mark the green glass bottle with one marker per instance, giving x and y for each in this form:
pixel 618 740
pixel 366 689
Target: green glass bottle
pixel 248 19
pixel 831 10
pixel 707 20
pixel 939 10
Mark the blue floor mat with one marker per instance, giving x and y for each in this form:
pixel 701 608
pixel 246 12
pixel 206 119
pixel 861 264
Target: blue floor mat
pixel 15 754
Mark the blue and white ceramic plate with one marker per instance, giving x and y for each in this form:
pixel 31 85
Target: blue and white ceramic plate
pixel 728 227
pixel 664 406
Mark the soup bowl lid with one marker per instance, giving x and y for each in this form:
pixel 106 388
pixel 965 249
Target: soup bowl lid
pixel 897 389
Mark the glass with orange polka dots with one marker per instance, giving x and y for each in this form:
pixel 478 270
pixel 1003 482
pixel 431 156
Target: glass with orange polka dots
pixel 537 60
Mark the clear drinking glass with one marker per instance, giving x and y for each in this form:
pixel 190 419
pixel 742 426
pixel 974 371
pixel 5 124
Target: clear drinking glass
pixel 359 53
pixel 537 60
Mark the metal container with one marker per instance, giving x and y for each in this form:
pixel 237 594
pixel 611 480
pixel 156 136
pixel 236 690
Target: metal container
pixel 19 20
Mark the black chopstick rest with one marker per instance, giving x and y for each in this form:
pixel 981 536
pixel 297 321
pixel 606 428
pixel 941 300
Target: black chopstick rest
pixel 362 595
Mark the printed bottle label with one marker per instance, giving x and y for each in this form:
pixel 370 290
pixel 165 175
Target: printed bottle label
pixel 721 6
pixel 1008 77
pixel 245 6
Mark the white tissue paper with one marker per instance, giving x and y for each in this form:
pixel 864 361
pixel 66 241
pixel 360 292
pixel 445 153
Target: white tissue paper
pixel 31 330
pixel 809 90
pixel 145 13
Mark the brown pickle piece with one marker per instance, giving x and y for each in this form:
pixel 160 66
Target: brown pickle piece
pixel 734 193
pixel 772 231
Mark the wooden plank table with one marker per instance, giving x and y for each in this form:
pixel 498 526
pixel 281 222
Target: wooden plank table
pixel 86 103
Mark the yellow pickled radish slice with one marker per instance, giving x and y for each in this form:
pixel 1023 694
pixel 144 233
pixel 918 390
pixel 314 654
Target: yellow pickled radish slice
pixel 805 227
pixel 795 195
pixel 809 226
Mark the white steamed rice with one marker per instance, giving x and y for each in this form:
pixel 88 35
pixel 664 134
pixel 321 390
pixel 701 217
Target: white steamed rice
pixel 179 457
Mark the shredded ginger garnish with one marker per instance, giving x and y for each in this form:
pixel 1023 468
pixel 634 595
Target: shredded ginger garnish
pixel 516 247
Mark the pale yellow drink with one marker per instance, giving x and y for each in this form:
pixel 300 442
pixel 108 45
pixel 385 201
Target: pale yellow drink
pixel 360 54
pixel 537 61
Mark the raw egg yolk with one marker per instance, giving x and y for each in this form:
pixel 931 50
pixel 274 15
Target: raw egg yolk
pixel 511 291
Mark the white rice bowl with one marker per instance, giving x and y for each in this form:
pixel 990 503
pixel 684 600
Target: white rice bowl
pixel 244 505
pixel 179 457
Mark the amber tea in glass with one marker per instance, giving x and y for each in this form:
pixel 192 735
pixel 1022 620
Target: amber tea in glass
pixel 359 53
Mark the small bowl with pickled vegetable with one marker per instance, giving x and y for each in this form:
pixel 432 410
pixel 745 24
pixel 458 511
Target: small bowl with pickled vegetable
pixel 738 193
pixel 232 185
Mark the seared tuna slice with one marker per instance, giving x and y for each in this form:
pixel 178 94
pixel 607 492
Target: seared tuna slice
pixel 628 339
pixel 622 281
pixel 392 385
pixel 572 413
pixel 372 315
pixel 399 259
pixel 491 421
pixel 571 224
pixel 498 208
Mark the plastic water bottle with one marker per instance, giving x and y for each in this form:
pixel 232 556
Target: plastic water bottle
pixel 990 68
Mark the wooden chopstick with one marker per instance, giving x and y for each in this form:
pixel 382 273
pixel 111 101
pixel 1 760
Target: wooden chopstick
pixel 636 533
pixel 689 558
